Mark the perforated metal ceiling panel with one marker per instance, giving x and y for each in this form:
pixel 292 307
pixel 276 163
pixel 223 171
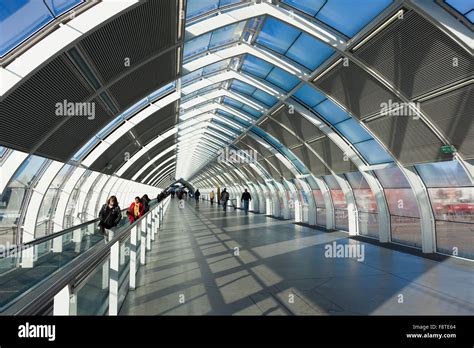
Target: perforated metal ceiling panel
pixel 332 155
pixel 156 124
pixel 251 142
pixel 310 160
pixel 163 145
pixel 28 114
pixel 115 156
pixel 144 80
pixel 298 124
pixel 160 164
pixel 131 38
pixel 72 135
pixel 408 139
pixel 278 132
pixel 355 89
pixel 282 169
pixel 271 171
pixel 416 56
pixel 453 113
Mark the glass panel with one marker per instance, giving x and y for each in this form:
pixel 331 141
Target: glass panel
pixel 470 16
pixel 357 180
pixel 353 131
pixel 309 52
pixel 365 200
pixel 455 238
pixel 402 202
pixel 44 221
pixel 194 8
pixel 310 7
pixel 406 230
pixel 331 112
pixel 256 66
pixel 11 199
pixel 282 79
pixel 369 224
pixel 226 35
pixel 191 76
pixel 58 7
pixel 373 152
pixel 349 16
pixel 462 6
pixel 277 35
pixel 392 178
pixel 93 296
pixel 265 98
pixel 72 214
pixel 197 45
pixel 443 174
pixel 342 219
pixel 46 258
pixel 309 96
pixel 453 204
pixel 19 20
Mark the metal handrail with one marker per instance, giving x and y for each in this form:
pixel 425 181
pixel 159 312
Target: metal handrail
pixel 62 232
pixel 43 293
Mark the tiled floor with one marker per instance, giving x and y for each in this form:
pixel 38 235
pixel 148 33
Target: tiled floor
pixel 281 269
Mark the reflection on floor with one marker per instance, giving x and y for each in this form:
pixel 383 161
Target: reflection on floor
pixel 207 262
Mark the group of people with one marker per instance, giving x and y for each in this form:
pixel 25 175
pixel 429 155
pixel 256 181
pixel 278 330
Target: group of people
pixel 110 214
pixel 225 197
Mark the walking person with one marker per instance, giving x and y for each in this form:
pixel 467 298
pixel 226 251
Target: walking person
pixel 224 198
pixel 211 197
pixel 246 198
pixel 197 194
pixel 146 203
pixel 135 211
pixel 109 215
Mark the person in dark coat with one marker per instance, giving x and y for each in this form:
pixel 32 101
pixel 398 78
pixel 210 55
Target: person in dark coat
pixel 110 214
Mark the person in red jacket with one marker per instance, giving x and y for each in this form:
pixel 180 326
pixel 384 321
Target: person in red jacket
pixel 135 211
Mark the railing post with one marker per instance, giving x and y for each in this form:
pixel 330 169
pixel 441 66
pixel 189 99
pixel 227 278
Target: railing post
pixel 152 214
pixel 133 257
pixel 142 242
pixel 62 302
pixel 148 232
pixel 114 281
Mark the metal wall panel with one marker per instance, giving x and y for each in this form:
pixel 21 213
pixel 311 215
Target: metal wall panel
pixel 355 89
pixel 453 114
pixel 416 56
pixel 310 160
pixel 333 156
pixel 408 139
pixel 135 35
pixel 298 124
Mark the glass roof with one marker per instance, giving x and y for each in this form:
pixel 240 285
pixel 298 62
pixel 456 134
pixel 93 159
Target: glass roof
pixel 344 124
pixel 346 16
pixel 255 93
pixel 268 72
pixel 21 19
pixel 195 8
pixel 223 36
pixel 242 107
pixel 293 44
pixel 464 7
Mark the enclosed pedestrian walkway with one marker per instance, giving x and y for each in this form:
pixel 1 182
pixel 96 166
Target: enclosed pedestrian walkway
pixel 207 262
